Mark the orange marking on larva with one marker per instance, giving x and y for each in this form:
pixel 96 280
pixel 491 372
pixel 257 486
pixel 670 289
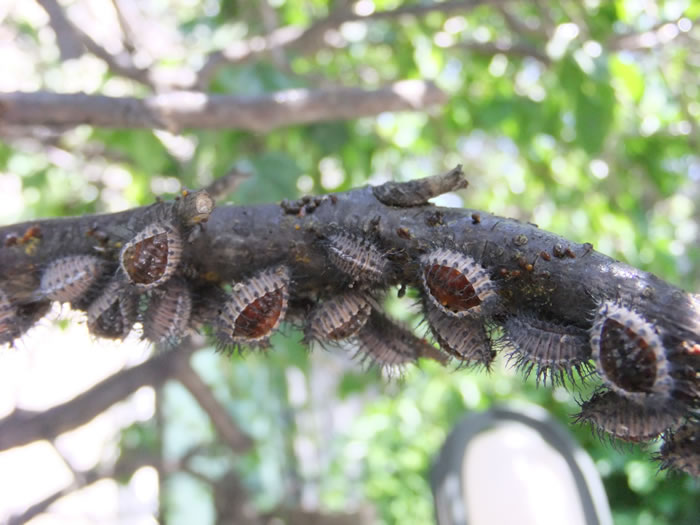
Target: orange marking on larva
pixel 33 232
pixel 152 256
pixel 255 308
pixel 629 354
pixel 454 282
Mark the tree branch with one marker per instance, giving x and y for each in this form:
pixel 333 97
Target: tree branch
pixel 533 276
pixel 517 49
pixel 534 269
pixel 180 110
pixel 312 39
pixel 227 430
pixel 22 427
pixel 225 185
pixel 121 64
pixel 69 44
pixel 662 33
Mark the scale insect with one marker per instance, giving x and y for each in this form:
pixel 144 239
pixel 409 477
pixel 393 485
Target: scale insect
pixel 629 354
pixel 552 349
pixel 255 308
pixel 152 256
pixel 455 283
pixel 69 278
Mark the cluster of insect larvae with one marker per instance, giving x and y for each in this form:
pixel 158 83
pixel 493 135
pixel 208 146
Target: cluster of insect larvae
pixel 645 390
pixel 123 279
pixel 648 384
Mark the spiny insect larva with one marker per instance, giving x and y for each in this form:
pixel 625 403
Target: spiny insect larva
pixel 356 257
pixel 68 279
pixel 15 320
pixel 152 256
pixel 168 313
pixel 255 308
pixel 455 283
pixel 626 419
pixel 465 338
pixel 552 349
pixel 383 342
pixel 338 318
pixel 681 450
pixel 629 354
pixel 113 313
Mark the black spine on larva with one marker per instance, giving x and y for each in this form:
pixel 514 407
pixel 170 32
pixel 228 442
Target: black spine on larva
pixel 68 279
pixel 381 341
pixel 338 318
pixel 552 349
pixel 628 420
pixel 464 338
pixel 681 449
pixel 358 258
pixel 168 313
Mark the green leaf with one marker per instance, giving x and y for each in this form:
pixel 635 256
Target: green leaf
pixel 629 76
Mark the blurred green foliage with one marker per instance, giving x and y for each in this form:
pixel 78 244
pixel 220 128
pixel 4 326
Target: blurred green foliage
pixel 597 142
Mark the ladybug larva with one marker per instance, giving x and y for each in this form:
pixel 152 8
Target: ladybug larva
pixel 69 278
pixel 552 349
pixel 113 313
pixel 383 342
pixel 629 354
pixel 255 308
pixel 168 313
pixel 338 318
pixel 358 258
pixel 152 256
pixel 455 283
pixel 465 339
pixel 626 419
